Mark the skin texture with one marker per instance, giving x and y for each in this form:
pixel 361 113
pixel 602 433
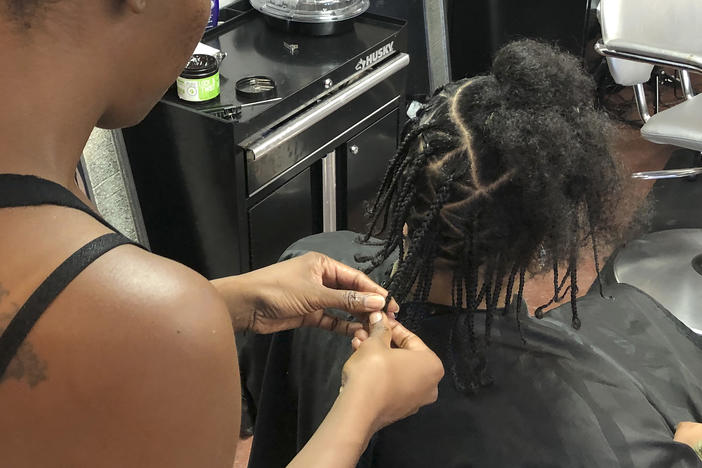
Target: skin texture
pixel 134 345
pixel 134 364
pixel 690 433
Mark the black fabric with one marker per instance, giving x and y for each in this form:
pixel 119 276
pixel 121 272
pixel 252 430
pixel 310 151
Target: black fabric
pixel 27 190
pixel 607 395
pixel 20 191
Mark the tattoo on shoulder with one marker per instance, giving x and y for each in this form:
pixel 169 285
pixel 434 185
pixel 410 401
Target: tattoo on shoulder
pixel 3 292
pixel 26 365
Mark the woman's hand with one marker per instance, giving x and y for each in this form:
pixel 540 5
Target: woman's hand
pixel 690 433
pixel 398 381
pixel 294 293
pixel 380 385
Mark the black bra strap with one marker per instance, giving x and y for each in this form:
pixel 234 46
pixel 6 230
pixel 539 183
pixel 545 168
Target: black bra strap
pixel 27 190
pixel 41 299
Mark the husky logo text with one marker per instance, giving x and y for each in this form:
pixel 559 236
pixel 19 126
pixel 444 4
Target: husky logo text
pixel 376 56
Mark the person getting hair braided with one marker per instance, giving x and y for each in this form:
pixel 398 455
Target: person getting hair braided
pixel 499 178
pixel 514 194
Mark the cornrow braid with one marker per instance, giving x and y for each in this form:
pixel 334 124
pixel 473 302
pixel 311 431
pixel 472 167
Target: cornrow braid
pixel 487 283
pixel 387 186
pixel 480 296
pixel 407 272
pixel 510 287
pixel 555 282
pixel 471 279
pixel 520 300
pixel 596 258
pixel 557 297
pixel 398 211
pixel 573 296
pixel 495 296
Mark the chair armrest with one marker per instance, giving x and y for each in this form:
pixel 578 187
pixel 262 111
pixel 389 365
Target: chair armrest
pixel 641 53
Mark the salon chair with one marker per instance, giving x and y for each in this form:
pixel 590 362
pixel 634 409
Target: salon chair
pixel 636 36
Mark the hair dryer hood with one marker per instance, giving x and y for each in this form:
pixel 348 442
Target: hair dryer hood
pixel 312 11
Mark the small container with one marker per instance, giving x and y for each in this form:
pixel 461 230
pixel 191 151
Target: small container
pixel 256 88
pixel 199 82
pixel 214 14
pixel 311 17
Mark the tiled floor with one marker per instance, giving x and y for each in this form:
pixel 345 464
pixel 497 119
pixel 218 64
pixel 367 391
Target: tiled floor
pixel 637 155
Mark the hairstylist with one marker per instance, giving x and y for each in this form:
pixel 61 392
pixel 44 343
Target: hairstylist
pixel 111 356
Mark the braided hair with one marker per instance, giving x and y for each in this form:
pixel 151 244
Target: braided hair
pixel 499 175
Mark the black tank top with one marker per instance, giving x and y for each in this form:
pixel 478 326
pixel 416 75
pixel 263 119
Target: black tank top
pixel 21 190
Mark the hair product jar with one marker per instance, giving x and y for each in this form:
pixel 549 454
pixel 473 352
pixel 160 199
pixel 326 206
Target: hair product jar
pixel 199 82
pixel 214 14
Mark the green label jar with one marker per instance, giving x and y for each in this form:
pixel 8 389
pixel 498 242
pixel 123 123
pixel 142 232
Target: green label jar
pixel 199 82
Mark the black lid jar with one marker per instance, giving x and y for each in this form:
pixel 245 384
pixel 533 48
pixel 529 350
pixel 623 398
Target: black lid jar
pixel 199 81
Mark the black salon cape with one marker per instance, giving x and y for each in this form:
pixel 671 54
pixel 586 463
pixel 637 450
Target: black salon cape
pixel 608 395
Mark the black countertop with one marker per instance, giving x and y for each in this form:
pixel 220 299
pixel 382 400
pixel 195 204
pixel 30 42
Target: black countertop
pixel 255 48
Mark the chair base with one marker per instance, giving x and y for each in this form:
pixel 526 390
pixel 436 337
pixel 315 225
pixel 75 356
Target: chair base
pixel 667 265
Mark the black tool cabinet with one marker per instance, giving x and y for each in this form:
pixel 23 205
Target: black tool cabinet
pixel 224 196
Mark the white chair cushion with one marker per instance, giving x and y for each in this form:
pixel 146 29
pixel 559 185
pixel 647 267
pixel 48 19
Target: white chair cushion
pixel 667 29
pixel 629 73
pixel 680 125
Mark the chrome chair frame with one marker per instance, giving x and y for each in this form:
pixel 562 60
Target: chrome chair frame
pixel 683 68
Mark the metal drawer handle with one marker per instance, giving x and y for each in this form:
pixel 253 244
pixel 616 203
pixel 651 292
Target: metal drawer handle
pixel 329 192
pixel 290 130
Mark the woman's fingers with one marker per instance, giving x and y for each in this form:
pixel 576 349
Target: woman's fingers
pixel 336 275
pixel 359 337
pixel 361 334
pixel 405 339
pixel 356 343
pixel 689 433
pixel 380 328
pixel 333 324
pixel 354 302
pixel 401 337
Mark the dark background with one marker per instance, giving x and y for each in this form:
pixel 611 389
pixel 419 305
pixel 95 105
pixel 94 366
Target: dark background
pixel 413 12
pixel 478 28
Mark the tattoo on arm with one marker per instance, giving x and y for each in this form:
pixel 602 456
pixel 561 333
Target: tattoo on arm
pixel 26 365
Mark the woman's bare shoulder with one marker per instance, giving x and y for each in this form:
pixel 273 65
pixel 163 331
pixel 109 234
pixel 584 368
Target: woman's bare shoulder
pixel 136 346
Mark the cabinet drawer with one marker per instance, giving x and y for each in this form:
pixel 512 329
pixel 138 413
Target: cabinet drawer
pixel 324 125
pixel 366 158
pixel 290 213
